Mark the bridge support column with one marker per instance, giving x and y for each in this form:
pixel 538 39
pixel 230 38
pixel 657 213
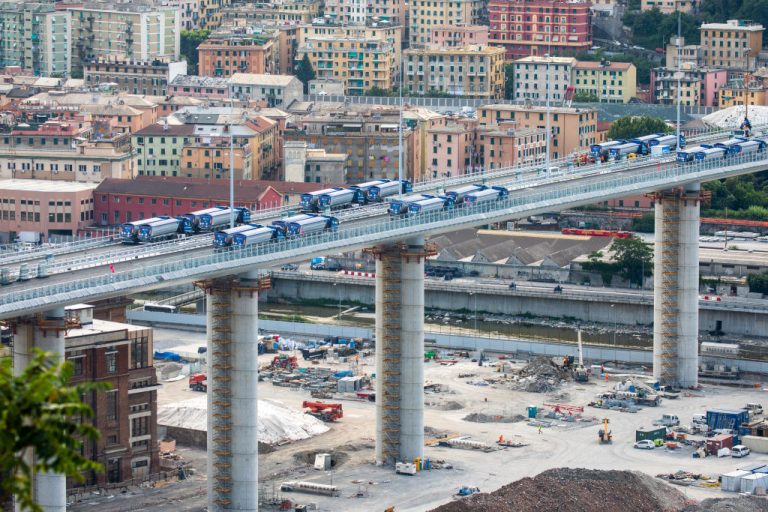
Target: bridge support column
pixel 676 287
pixel 400 351
pixel 233 464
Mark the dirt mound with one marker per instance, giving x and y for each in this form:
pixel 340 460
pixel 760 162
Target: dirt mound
pixel 740 504
pixel 541 375
pixel 477 417
pixel 450 405
pixel 577 490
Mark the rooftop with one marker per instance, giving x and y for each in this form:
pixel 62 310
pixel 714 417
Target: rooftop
pixel 614 66
pixel 167 129
pixel 742 25
pixel 257 79
pixel 188 188
pixel 506 107
pixel 200 81
pixel 45 186
pixel 453 50
pixel 541 60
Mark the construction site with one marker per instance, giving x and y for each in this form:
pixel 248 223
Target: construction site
pixel 490 420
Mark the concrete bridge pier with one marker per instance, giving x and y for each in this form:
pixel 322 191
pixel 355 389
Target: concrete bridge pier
pixel 46 332
pixel 233 465
pixel 400 351
pixel 676 287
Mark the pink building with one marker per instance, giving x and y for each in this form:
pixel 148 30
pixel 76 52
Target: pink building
pixel 444 36
pixel 699 86
pixel 451 146
pixel 199 86
pixel 44 208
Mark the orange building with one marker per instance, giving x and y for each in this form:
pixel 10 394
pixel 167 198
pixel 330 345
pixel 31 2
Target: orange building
pixel 226 55
pixel 209 158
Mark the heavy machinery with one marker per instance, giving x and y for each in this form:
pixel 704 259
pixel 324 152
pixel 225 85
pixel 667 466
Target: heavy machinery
pixel 580 373
pixel 285 362
pixel 604 435
pixel 198 382
pixel 323 411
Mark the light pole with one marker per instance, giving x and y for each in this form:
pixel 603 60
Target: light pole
pixel 338 295
pixel 547 114
pixel 615 326
pixel 679 78
pixel 475 316
pixel 228 127
pixel 746 88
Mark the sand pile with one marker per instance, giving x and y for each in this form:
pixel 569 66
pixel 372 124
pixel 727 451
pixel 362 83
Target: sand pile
pixel 277 423
pixel 541 376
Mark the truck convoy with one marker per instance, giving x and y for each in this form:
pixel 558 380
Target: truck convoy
pixel 163 227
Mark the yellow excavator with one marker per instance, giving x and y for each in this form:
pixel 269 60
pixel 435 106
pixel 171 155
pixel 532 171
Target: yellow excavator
pixel 604 435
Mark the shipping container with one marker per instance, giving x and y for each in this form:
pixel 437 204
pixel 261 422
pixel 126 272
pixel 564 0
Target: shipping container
pixel 651 434
pixel 718 442
pixel 728 419
pixel 750 483
pixel 731 482
pixel 756 444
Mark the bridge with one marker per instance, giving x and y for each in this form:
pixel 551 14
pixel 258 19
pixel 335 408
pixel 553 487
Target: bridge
pixel 232 284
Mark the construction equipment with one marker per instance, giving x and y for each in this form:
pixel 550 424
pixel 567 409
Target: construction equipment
pixel 604 434
pixel 467 491
pixel 323 411
pixel 285 362
pixel 198 382
pixel 405 468
pixel 508 443
pixel 580 373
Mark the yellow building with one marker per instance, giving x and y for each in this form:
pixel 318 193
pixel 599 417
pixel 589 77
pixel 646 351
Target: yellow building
pixel 426 14
pixel 474 71
pixel 610 82
pixel 731 45
pixel 210 13
pixel 361 56
pixel 667 6
pixel 735 93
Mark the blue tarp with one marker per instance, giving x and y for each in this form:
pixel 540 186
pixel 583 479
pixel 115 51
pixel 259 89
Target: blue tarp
pixel 167 356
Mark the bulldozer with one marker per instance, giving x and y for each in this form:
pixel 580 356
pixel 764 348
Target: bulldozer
pixel 604 435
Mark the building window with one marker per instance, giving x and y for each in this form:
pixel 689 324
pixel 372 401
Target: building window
pixel 140 426
pixel 139 353
pixel 113 471
pixel 77 358
pixel 111 361
pixel 111 405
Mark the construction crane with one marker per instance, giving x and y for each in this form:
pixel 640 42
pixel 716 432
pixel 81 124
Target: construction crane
pixel 604 434
pixel 323 411
pixel 580 373
pixel 570 92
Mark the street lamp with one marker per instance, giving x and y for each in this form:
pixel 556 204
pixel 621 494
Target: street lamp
pixel 547 114
pixel 338 295
pixel 615 326
pixel 228 128
pixel 475 317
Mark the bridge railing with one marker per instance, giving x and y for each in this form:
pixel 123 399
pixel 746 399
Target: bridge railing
pixel 369 234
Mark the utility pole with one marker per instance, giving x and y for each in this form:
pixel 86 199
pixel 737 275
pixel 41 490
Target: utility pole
pixel 548 129
pixel 400 132
pixel 231 176
pixel 679 77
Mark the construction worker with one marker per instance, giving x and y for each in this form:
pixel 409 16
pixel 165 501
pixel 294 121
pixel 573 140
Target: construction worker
pixel 539 429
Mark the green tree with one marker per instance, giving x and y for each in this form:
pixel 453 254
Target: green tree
pixel 377 92
pixel 39 413
pixel 652 29
pixel 634 126
pixel 758 283
pixel 509 81
pixel 633 258
pixel 585 97
pixel 190 40
pixel 305 72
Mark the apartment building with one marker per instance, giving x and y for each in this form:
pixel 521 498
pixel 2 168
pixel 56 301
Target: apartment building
pixel 266 90
pixel 667 6
pixel 370 140
pixel 59 151
pixel 362 56
pixel 740 92
pixel 609 82
pixel 473 71
pixel 132 32
pixel 699 86
pixel 733 45
pixel 223 55
pixel 358 12
pixel 313 165
pixel 211 154
pixel 531 74
pixel 573 129
pixel 443 36
pixel 211 13
pixel 327 86
pixel 688 53
pixel 126 413
pixel 288 12
pixel 36 37
pixel 118 201
pixel 45 207
pixel 190 12
pixel 426 14
pixel 199 86
pixel 159 148
pixel 537 27
pixel 133 77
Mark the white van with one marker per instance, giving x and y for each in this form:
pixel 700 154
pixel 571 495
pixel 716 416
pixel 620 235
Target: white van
pixel 699 419
pixel 739 451
pixel 669 420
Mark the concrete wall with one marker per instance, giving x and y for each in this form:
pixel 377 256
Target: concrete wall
pixel 599 306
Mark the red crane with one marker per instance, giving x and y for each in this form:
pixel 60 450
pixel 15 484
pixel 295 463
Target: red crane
pixel 323 411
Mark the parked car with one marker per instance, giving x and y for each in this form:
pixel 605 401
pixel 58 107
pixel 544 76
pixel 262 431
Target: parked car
pixel 290 266
pixel 739 451
pixel 645 444
pixel 512 285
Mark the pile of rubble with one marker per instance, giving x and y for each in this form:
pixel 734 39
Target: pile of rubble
pixel 541 375
pixel 577 490
pixel 478 417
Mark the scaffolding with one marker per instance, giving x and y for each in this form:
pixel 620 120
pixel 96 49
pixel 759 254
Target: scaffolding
pixel 390 346
pixel 219 389
pixel 670 264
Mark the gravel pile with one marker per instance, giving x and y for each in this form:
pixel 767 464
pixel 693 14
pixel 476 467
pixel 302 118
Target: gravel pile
pixel 577 490
pixel 541 376
pixel 477 417
pixel 740 504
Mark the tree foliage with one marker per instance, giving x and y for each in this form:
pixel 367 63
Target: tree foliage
pixel 652 29
pixel 758 283
pixel 634 126
pixel 585 97
pixel 644 224
pixel 190 40
pixel 721 10
pixel 509 81
pixel 633 257
pixel 305 72
pixel 39 413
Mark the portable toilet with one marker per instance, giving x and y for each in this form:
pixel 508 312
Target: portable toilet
pixel 532 411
